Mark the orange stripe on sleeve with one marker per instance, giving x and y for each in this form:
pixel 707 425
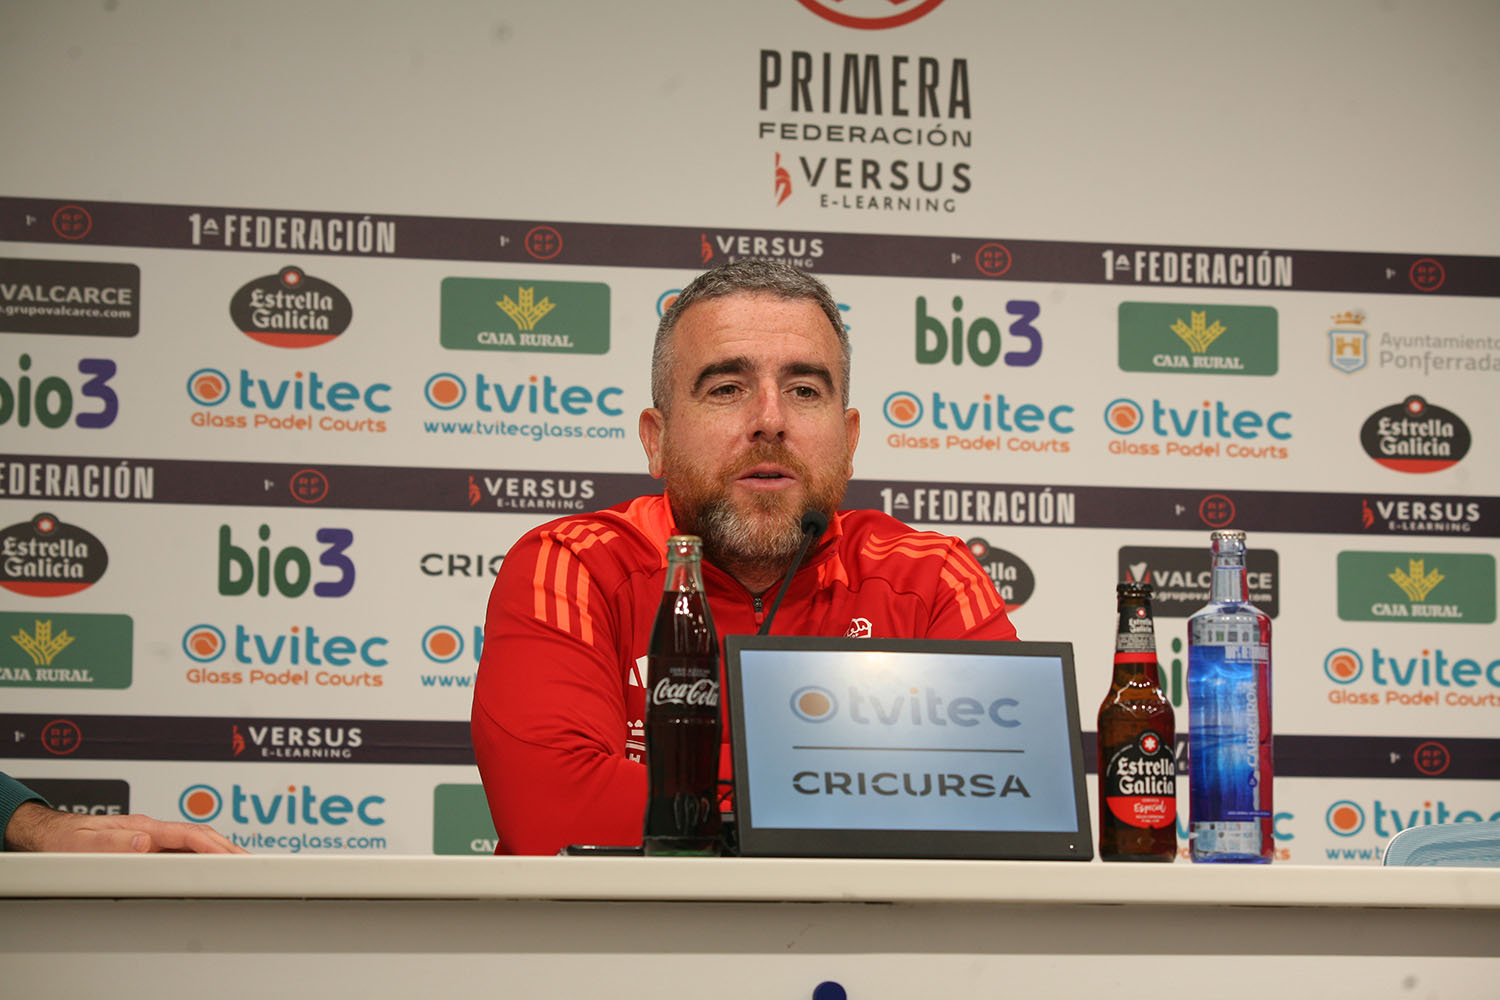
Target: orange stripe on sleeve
pixel 585 620
pixel 539 581
pixel 960 592
pixel 565 561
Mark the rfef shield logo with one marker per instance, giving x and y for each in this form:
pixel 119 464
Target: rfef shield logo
pixel 1415 436
pixel 44 557
pixel 291 309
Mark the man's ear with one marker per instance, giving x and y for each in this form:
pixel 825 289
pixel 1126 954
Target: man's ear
pixel 652 426
pixel 851 431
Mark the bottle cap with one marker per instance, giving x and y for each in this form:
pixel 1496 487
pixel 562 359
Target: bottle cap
pixel 1133 588
pixel 1228 535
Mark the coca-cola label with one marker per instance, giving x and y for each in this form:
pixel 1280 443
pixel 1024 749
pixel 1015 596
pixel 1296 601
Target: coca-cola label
pixel 703 692
pixel 1140 782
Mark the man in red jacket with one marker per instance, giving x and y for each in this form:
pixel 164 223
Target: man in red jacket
pixel 750 429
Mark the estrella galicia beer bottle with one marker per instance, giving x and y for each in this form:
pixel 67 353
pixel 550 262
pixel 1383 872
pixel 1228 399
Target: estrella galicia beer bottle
pixel 1137 737
pixel 682 712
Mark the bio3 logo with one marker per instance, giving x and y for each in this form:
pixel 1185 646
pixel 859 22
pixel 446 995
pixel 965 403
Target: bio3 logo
pixel 292 806
pixel 980 338
pixel 914 706
pixel 51 400
pixel 289 570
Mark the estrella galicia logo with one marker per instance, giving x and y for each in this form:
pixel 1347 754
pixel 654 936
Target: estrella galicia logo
pixel 44 557
pixel 1012 577
pixel 814 704
pixel 291 309
pixel 870 15
pixel 1415 436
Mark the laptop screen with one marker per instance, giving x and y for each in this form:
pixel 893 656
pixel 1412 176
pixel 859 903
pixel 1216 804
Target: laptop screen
pixel 906 748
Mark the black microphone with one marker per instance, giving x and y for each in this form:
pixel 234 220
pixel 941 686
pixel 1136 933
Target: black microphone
pixel 814 523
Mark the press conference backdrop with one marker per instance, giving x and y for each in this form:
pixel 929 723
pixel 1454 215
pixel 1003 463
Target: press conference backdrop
pixel 310 311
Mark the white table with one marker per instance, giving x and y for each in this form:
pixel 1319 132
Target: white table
pixel 615 928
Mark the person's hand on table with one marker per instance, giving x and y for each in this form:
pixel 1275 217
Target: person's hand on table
pixel 35 827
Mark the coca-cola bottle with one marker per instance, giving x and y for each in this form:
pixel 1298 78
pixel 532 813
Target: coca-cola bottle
pixel 682 712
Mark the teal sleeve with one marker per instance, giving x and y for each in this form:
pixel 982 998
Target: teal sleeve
pixel 12 794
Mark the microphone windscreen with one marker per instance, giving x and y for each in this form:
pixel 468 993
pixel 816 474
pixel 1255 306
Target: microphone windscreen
pixel 814 521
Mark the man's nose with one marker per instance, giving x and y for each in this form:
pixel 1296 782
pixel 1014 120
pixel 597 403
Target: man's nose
pixel 770 414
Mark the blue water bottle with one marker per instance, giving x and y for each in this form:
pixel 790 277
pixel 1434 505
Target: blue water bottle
pixel 1229 713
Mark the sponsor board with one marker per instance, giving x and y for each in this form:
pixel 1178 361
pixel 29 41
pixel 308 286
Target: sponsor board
pixel 82 298
pixel 1211 429
pixel 44 398
pixel 1014 580
pixel 1197 339
pixel 83 796
pixel 304 402
pixel 288 817
pixel 302 656
pixel 273 739
pixel 1182 578
pixel 982 423
pixel 461 822
pixel 1427 588
pixel 1405 677
pixel 45 557
pixel 290 309
pixel 494 314
pixel 1415 436
pixel 49 650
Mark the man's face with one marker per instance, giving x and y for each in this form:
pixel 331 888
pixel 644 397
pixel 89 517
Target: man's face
pixel 755 433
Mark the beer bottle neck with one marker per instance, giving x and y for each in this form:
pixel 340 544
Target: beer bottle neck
pixel 684 575
pixel 1135 639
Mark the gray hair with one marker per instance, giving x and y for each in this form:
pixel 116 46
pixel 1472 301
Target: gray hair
pixel 748 276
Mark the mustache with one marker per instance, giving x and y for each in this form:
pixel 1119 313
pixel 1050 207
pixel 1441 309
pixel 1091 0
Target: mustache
pixel 768 453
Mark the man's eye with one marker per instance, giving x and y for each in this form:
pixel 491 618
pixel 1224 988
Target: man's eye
pixel 805 392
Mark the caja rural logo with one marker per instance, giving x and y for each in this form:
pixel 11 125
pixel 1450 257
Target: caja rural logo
pixel 290 309
pixel 45 557
pixel 43 397
pixel 307 401
pixel 494 314
pixel 1415 436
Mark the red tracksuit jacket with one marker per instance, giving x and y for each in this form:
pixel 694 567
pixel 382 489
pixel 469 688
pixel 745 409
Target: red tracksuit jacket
pixel 560 700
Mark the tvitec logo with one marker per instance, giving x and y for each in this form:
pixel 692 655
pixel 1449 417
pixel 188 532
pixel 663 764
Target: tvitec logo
pixel 289 570
pixel 913 706
pixel 302 656
pixel 1002 424
pixel 305 402
pixel 1351 818
pixel 1427 679
pixel 294 806
pixel 1209 430
pixel 50 399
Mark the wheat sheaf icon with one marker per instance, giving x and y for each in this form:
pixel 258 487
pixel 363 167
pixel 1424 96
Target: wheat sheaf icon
pixel 1415 580
pixel 41 645
pixel 527 313
pixel 1200 334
